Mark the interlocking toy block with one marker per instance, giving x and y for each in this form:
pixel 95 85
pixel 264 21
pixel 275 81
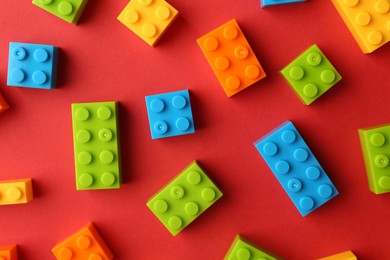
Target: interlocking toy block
pixel 149 19
pixel 16 191
pixel 183 199
pixel 96 149
pixel 84 244
pixel 170 114
pixel 296 168
pixel 32 65
pixel 311 75
pixel 347 255
pixel 375 142
pixel 244 249
pixel 8 252
pixel 3 104
pixel 231 58
pixel 68 10
pixel 367 20
pixel 265 3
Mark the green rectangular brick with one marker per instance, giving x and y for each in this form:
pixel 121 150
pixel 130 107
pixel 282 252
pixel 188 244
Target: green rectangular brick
pixel 96 151
pixel 68 10
pixel 375 142
pixel 311 75
pixel 186 197
pixel 244 249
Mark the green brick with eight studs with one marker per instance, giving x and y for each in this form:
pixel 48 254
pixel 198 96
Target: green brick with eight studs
pixel 96 151
pixel 183 199
pixel 311 75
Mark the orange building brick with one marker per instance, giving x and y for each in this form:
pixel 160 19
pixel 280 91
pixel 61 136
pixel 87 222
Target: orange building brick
pixel 84 244
pixel 8 252
pixel 231 58
pixel 15 191
pixel 368 21
pixel 3 104
pixel 347 255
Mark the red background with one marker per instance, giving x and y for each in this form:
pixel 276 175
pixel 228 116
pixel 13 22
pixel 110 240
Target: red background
pixel 101 60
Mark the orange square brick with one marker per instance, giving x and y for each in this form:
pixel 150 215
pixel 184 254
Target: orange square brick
pixel 8 252
pixel 3 104
pixel 84 244
pixel 231 58
pixel 15 191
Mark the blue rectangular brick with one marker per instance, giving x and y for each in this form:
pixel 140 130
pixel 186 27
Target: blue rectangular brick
pixel 32 65
pixel 170 114
pixel 296 168
pixel 265 3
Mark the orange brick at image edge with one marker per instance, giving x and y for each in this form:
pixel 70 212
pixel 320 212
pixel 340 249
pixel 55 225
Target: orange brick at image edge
pixel 15 191
pixel 3 104
pixel 84 244
pixel 347 255
pixel 231 58
pixel 8 252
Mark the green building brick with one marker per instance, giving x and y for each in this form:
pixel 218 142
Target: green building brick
pixel 311 75
pixel 242 249
pixel 186 197
pixel 375 142
pixel 68 10
pixel 96 151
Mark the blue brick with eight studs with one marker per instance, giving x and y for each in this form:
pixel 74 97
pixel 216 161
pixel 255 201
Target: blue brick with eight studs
pixel 170 114
pixel 296 168
pixel 32 65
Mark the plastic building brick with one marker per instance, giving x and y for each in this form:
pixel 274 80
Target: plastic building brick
pixel 347 255
pixel 149 19
pixel 244 249
pixel 8 252
pixel 32 65
pixel 311 75
pixel 265 3
pixel 375 142
pixel 296 168
pixel 84 244
pixel 3 104
pixel 186 197
pixel 368 21
pixel 170 114
pixel 68 10
pixel 231 58
pixel 16 191
pixel 96 149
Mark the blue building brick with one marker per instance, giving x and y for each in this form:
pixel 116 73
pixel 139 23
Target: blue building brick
pixel 265 3
pixel 296 168
pixel 170 114
pixel 32 65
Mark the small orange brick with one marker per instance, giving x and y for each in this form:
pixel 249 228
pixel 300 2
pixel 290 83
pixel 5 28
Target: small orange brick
pixel 3 104
pixel 8 252
pixel 84 244
pixel 231 58
pixel 15 191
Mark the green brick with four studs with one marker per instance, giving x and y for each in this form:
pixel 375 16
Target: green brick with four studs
pixel 375 142
pixel 68 10
pixel 96 151
pixel 244 249
pixel 186 197
pixel 311 75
